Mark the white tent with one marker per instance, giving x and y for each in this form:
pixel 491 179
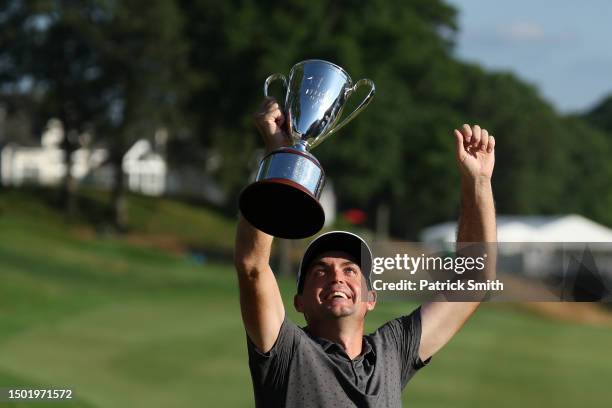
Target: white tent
pixel 528 228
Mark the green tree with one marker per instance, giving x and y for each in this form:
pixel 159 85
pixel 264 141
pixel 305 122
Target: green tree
pixel 118 69
pixel 594 154
pixel 143 64
pixel 601 115
pixel 49 55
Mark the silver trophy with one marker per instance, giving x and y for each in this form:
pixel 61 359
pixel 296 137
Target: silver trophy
pixel 284 199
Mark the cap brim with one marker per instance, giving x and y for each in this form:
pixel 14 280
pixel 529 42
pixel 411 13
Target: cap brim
pixel 342 241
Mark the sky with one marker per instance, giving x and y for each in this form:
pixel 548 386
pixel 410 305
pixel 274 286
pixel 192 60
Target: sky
pixel 562 47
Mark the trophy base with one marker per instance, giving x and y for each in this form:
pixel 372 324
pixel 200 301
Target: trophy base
pixel 282 208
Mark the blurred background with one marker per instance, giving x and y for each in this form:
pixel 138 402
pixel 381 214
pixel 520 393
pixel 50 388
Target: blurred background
pixel 126 135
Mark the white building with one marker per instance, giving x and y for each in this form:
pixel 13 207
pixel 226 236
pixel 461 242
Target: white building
pixel 37 165
pixel 145 169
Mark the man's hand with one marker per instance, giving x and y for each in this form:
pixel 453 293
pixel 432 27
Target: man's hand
pixel 270 122
pixel 475 152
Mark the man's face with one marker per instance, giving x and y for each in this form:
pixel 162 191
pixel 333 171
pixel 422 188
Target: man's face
pixel 334 287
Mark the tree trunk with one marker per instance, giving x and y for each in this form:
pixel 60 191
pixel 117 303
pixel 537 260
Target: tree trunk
pixel 68 198
pixel 118 205
pixel 382 221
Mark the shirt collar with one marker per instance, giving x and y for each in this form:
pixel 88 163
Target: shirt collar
pixel 366 351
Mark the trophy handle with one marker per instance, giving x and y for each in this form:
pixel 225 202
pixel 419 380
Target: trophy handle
pixel 354 113
pixel 271 79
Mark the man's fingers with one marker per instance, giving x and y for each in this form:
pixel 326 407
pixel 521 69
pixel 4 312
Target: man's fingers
pixel 269 108
pixel 265 107
pixel 484 141
pixel 467 133
pixel 267 102
pixel 459 141
pixel 491 145
pixel 272 106
pixel 270 112
pixel 471 139
pixel 273 113
pixel 279 118
pixel 476 136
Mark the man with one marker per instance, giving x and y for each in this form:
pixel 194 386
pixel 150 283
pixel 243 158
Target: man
pixel 330 362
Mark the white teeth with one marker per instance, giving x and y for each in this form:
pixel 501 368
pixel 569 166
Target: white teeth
pixel 341 294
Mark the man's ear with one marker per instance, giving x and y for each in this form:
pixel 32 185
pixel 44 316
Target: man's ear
pixel 297 302
pixel 371 300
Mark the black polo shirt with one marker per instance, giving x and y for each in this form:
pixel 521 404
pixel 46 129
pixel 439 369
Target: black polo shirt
pixel 302 370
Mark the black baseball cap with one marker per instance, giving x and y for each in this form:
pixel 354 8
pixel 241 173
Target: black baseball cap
pixel 337 241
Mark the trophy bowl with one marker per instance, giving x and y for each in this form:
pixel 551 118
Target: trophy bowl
pixel 284 199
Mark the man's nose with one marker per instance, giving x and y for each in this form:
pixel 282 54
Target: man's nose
pixel 338 275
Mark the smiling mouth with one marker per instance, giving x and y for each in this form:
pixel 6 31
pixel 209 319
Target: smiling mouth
pixel 337 295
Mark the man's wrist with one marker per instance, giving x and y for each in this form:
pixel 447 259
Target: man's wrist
pixel 476 191
pixel 471 183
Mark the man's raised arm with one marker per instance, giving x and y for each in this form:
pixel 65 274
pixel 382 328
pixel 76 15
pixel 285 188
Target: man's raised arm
pixel 475 153
pixel 260 299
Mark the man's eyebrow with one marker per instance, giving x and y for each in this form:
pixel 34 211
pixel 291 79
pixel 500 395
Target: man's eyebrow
pixel 318 263
pixel 326 265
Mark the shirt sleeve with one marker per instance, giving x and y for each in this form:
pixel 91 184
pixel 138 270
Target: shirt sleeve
pixel 404 333
pixel 269 370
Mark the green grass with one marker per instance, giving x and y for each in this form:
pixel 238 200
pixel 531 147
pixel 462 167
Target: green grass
pixel 160 220
pixel 127 326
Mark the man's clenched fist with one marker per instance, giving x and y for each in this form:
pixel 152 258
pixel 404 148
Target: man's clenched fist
pixel 270 122
pixel 475 150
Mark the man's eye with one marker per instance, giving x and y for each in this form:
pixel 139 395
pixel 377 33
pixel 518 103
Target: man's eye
pixel 319 272
pixel 350 270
